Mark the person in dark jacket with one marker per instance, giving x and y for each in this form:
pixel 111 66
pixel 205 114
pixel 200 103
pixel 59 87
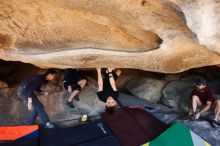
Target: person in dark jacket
pixel 26 91
pixel 74 82
pixel 107 91
pixel 202 95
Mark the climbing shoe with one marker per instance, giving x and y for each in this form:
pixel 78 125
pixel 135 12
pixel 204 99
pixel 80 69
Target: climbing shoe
pixel 70 104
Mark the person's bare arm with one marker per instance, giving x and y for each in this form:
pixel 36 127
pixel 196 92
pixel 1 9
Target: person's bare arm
pixel 100 79
pixel 207 107
pixel 112 80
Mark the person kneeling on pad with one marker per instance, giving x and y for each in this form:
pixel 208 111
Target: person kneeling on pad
pixel 74 82
pixel 107 91
pixel 202 95
pixel 26 93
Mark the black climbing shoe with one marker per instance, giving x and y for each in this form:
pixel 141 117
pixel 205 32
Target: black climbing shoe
pixel 192 117
pixel 77 98
pixel 70 104
pixel 214 123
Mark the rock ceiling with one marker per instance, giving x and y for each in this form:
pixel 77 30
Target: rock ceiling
pixel 155 35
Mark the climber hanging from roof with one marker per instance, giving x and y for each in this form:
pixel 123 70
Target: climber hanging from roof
pixel 26 93
pixel 107 91
pixel 202 95
pixel 74 82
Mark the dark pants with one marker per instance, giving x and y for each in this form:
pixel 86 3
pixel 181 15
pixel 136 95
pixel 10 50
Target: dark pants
pixel 37 107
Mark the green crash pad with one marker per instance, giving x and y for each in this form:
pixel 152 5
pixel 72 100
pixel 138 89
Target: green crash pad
pixel 178 135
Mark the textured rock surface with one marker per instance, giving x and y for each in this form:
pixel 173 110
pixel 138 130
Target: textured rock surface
pixel 203 18
pixel 88 104
pixel 177 93
pixel 141 34
pixel 146 88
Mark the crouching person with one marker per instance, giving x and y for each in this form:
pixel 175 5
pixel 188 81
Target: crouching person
pixel 74 82
pixel 107 91
pixel 201 95
pixel 26 93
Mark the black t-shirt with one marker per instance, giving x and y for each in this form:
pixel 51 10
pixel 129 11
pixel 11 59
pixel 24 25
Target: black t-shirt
pixel 72 76
pixel 103 95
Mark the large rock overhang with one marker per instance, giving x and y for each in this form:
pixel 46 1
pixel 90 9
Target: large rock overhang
pixel 140 34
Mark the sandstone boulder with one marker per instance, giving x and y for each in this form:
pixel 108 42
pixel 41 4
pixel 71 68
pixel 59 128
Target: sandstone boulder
pixel 99 33
pixel 146 88
pixel 172 77
pixel 204 25
pixel 177 93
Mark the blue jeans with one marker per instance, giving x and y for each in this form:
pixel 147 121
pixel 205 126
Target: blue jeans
pixel 37 107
